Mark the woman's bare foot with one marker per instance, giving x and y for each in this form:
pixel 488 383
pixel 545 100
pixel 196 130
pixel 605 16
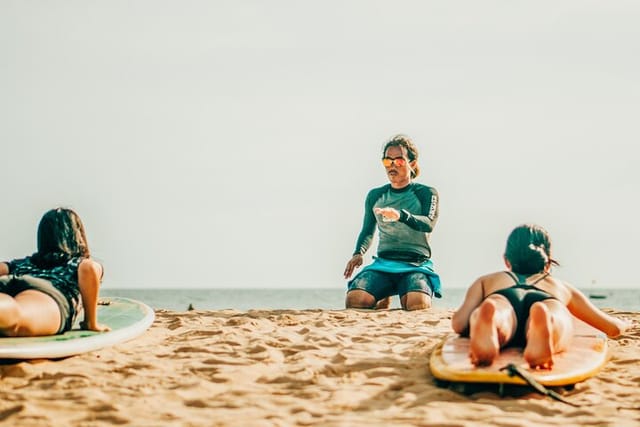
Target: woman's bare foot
pixel 484 345
pixel 539 350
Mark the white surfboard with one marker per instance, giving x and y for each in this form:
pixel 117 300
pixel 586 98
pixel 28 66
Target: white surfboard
pixel 126 317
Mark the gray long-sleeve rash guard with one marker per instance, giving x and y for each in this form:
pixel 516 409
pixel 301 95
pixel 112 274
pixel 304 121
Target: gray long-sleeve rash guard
pixel 408 238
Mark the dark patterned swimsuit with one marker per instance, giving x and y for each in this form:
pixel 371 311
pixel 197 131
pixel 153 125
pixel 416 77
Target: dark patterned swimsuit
pixel 60 283
pixel 522 296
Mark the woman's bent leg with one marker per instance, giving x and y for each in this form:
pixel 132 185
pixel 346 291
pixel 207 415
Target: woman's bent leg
pixel 549 331
pixel 491 325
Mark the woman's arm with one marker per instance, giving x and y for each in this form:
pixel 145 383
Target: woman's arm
pixel 4 268
pixel 580 306
pixel 473 298
pixel 89 275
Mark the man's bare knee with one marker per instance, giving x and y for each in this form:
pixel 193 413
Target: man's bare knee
pixel 416 301
pixel 360 299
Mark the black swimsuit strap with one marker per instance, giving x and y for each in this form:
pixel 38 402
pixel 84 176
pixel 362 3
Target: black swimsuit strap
pixel 541 278
pixel 513 276
pixel 517 280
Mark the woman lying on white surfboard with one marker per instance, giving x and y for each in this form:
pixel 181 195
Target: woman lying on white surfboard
pixel 42 294
pixel 526 306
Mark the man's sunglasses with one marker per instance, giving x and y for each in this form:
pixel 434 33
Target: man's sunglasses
pixel 398 161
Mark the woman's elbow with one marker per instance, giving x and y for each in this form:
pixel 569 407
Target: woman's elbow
pixel 617 328
pixel 89 274
pixel 613 332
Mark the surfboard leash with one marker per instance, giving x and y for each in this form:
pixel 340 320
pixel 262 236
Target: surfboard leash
pixel 516 371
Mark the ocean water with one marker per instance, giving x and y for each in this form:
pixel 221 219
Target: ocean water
pixel 323 298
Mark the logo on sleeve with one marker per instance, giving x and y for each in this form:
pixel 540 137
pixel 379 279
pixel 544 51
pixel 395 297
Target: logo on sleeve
pixel 434 205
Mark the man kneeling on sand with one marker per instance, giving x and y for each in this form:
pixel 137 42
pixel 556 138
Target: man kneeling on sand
pixel 404 213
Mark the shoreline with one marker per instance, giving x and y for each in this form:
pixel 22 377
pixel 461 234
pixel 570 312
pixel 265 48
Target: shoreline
pixel 310 367
pixel 312 298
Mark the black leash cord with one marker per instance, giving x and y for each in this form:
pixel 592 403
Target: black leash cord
pixel 515 371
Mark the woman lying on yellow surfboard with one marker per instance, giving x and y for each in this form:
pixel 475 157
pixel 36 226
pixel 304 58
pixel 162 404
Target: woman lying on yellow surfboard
pixel 526 306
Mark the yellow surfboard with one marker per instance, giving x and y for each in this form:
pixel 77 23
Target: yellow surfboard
pixel 585 357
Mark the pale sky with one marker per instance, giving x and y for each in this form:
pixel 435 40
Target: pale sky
pixel 232 143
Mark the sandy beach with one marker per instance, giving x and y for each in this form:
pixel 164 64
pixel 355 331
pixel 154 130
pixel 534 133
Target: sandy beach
pixel 296 368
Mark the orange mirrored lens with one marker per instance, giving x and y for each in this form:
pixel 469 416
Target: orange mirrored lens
pixel 399 161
